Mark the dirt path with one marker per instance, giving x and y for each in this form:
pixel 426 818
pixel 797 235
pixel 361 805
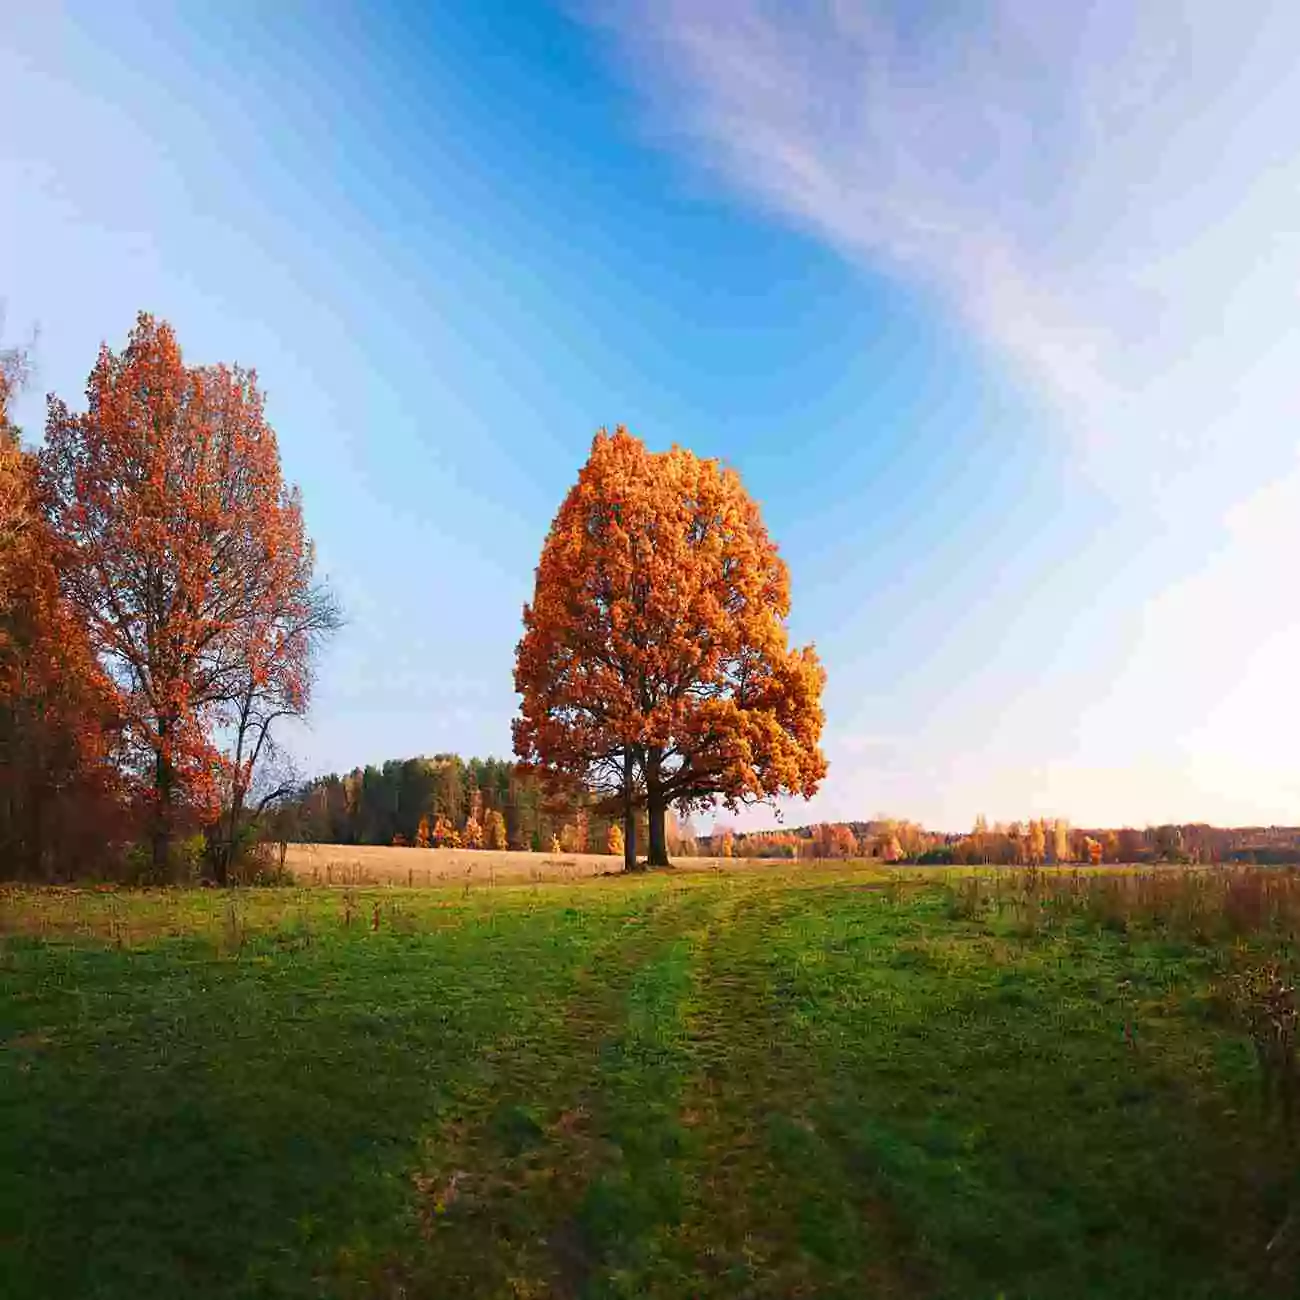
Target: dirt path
pixel 524 1188
pixel 763 1165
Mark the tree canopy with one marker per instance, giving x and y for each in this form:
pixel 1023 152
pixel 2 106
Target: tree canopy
pixel 654 664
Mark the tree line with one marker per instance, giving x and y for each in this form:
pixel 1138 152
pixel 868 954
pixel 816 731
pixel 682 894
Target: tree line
pixel 443 801
pixel 446 801
pixel 1034 842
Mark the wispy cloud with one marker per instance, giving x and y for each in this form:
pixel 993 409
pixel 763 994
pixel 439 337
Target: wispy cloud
pixel 1106 195
pixel 1107 192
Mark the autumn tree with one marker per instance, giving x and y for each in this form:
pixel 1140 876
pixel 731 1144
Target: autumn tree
pixel 614 840
pixel 1037 842
pixel 833 840
pixel 58 712
pixel 495 831
pixel 445 835
pixel 654 665
pixel 472 835
pixel 185 553
pixel 422 839
pixel 1169 843
pixel 274 683
pixel 1131 845
pixel 681 837
pixel 1061 841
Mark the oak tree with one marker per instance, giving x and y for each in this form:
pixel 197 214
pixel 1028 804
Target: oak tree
pixel 185 553
pixel 654 665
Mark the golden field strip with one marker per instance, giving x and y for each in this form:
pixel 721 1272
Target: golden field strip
pixel 373 864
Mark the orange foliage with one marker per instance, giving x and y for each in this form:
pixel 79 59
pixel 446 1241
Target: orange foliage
pixel 473 834
pixel 833 840
pixel 422 834
pixel 183 551
pixel 445 835
pixel 614 840
pixel 495 831
pixel 58 711
pixel 654 660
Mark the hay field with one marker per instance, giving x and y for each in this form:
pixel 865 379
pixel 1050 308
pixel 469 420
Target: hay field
pixel 373 864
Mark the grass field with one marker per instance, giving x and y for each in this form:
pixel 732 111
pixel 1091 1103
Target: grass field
pixel 375 864
pixel 769 1083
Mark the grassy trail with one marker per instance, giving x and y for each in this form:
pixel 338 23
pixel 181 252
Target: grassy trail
pixel 669 1087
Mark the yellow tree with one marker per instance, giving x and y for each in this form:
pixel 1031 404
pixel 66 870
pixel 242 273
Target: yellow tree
pixel 654 666
pixel 473 834
pixel 445 835
pixel 496 831
pixel 1037 842
pixel 1061 840
pixel 422 834
pixel 614 840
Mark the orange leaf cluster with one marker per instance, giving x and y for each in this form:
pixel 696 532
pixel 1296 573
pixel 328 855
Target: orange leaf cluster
pixel 184 553
pixel 58 717
pixel 655 652
pixel 495 831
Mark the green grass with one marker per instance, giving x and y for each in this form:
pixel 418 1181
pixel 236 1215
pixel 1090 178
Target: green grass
pixel 770 1084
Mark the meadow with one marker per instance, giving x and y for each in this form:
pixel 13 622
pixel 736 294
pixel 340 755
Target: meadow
pixel 381 864
pixel 766 1082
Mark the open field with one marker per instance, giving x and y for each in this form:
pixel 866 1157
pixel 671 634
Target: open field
pixel 377 864
pixel 771 1083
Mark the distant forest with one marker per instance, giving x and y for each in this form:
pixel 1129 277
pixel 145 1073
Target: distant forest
pixel 446 800
pixel 449 801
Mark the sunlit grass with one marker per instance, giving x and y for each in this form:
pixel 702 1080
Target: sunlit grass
pixel 776 1082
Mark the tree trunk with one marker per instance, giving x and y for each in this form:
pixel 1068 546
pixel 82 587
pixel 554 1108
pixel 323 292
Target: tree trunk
pixel 162 813
pixel 657 807
pixel 225 854
pixel 221 860
pixel 629 816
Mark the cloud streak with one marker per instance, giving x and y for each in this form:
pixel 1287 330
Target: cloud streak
pixel 1106 192
pixel 1107 196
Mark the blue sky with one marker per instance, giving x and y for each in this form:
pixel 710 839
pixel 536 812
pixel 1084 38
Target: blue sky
pixel 995 316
